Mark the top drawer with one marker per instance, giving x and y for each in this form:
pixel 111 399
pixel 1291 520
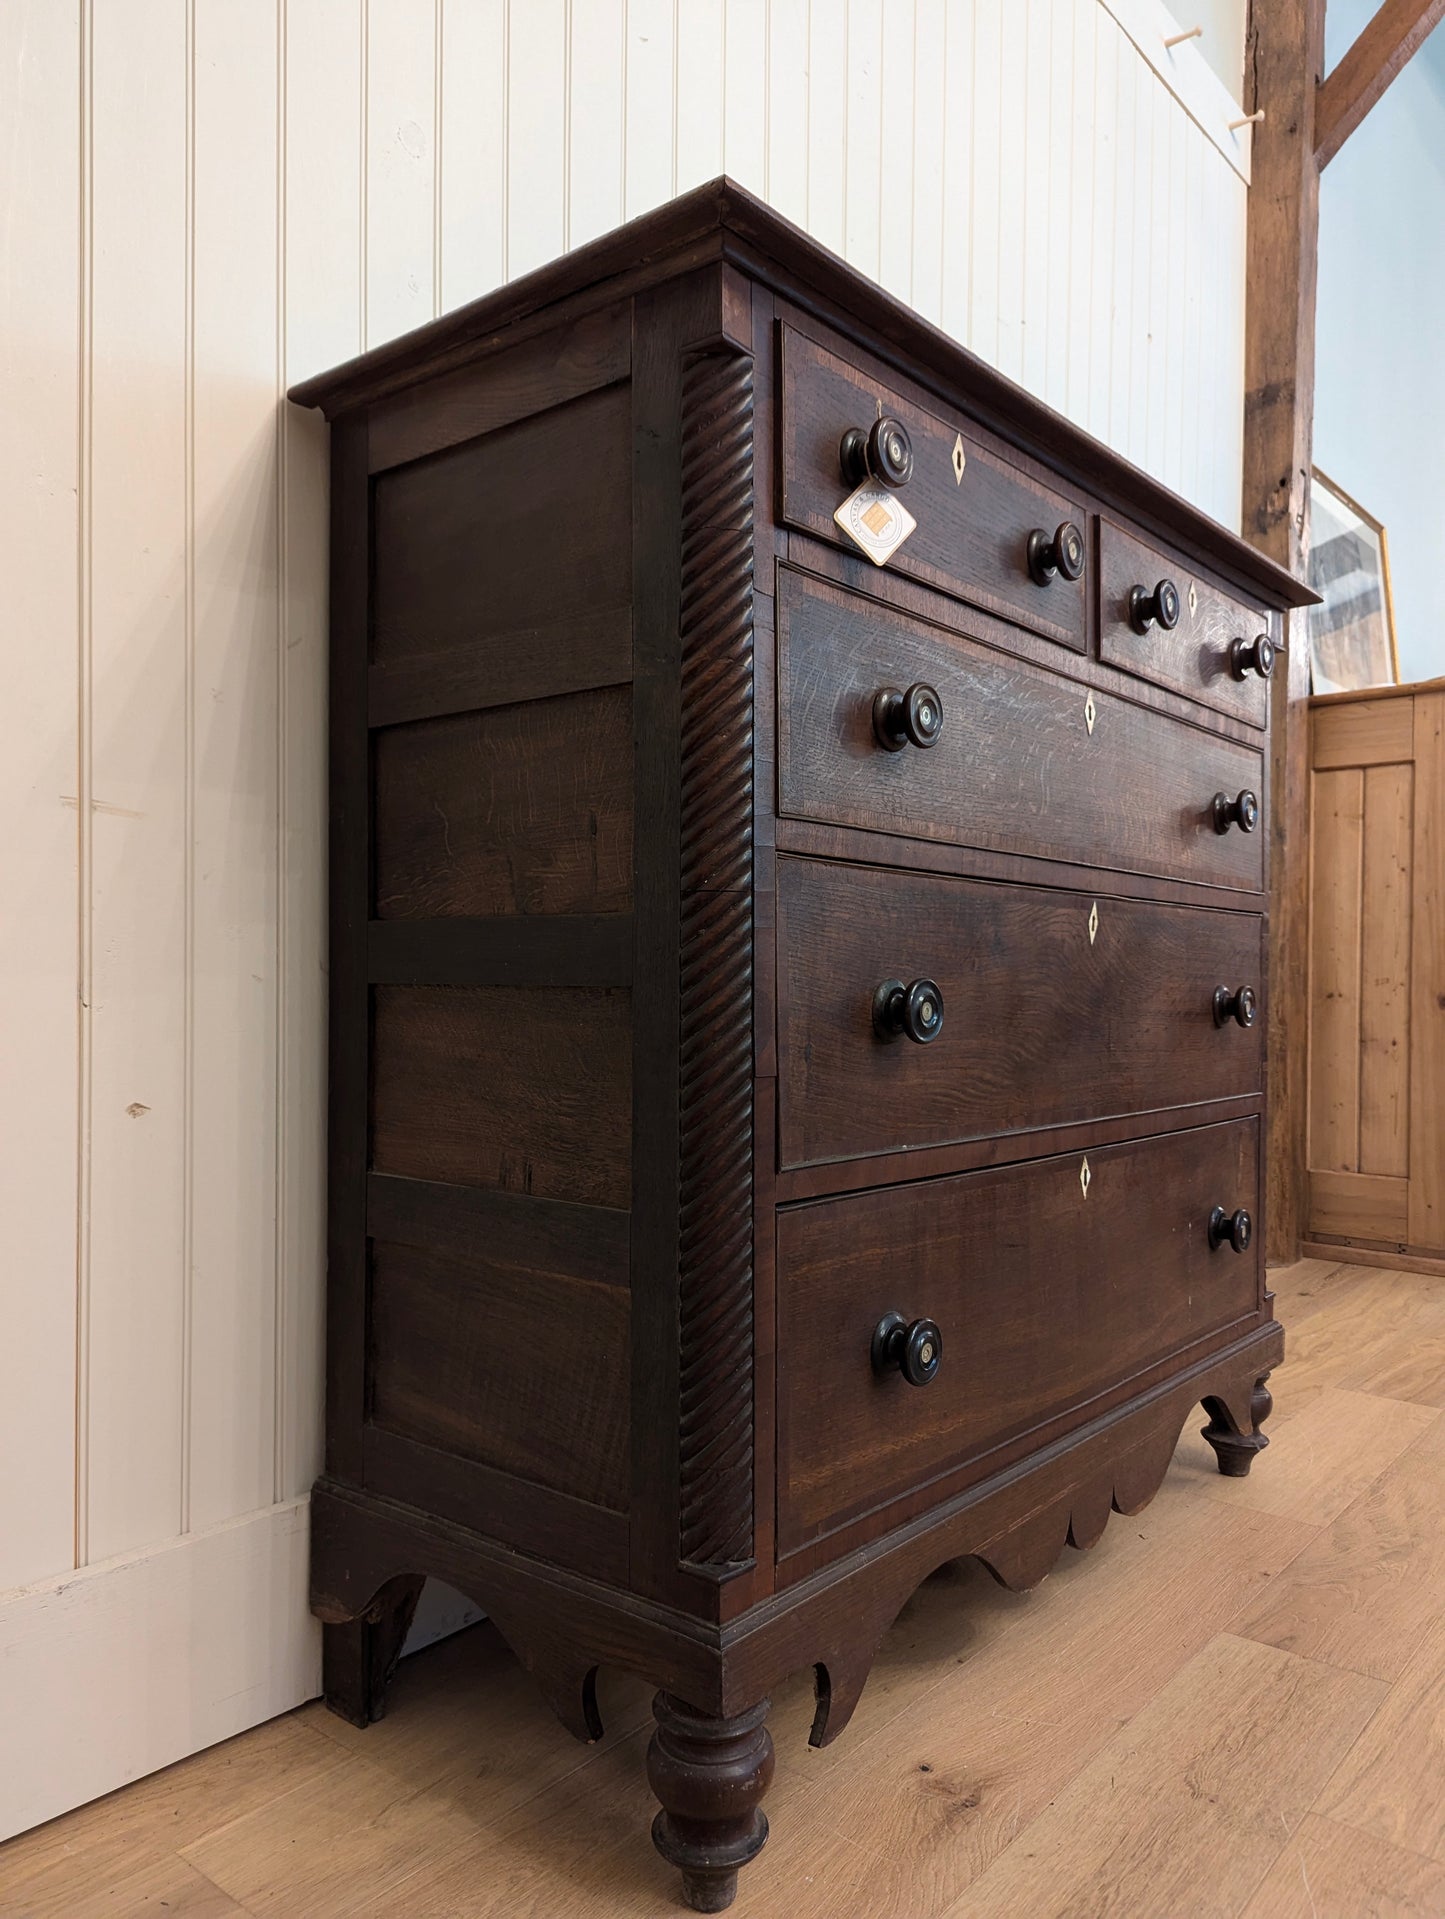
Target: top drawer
pixel 1195 657
pixel 974 512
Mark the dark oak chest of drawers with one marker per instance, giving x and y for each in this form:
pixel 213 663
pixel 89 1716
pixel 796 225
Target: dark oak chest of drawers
pixel 797 1074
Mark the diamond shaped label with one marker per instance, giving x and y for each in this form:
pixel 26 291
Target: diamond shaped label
pixel 1093 922
pixel 1084 1177
pixel 1091 713
pixel 959 460
pixel 875 520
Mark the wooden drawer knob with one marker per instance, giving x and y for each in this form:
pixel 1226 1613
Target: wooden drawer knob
pixel 1241 811
pixel 912 718
pixel 1060 552
pixel 1242 1006
pixel 914 1010
pixel 914 1350
pixel 881 452
pixel 1233 1229
pixel 1251 656
pixel 1162 605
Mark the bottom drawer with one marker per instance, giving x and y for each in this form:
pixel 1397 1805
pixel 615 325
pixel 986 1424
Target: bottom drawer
pixel 1049 1287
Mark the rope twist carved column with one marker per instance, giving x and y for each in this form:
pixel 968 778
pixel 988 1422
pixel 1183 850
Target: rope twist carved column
pixel 715 1245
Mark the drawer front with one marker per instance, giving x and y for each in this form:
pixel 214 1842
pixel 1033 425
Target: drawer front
pixel 974 520
pixel 1193 658
pixel 1043 1025
pixel 1017 767
pixel 1048 1292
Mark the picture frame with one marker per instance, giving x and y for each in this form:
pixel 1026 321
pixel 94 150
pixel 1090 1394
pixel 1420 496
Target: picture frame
pixel 1352 631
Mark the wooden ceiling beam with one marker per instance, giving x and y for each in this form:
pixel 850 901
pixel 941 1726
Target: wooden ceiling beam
pixel 1358 83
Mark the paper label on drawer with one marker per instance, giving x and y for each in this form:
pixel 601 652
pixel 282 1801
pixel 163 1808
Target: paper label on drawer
pixel 875 520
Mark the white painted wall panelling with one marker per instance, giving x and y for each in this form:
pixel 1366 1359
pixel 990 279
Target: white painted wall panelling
pixel 200 204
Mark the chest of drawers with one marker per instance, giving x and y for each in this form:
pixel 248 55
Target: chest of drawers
pixel 797 1074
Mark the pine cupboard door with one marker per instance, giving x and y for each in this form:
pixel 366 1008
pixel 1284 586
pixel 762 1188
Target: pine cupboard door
pixel 1377 977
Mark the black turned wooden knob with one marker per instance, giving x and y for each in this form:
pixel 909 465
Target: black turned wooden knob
pixel 1234 1229
pixel 915 1010
pixel 1061 552
pixel 881 452
pixel 1241 811
pixel 1161 605
pixel 913 1350
pixel 1252 656
pixel 901 719
pixel 1242 1007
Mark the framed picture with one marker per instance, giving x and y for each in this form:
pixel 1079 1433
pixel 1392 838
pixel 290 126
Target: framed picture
pixel 1352 633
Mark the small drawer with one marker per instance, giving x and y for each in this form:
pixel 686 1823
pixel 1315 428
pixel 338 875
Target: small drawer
pixel 1047 1288
pixel 1024 761
pixel 1211 655
pixel 975 512
pixel 1056 1008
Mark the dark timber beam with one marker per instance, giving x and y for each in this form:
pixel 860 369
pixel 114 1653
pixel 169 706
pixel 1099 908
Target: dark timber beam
pixel 1358 83
pixel 1285 54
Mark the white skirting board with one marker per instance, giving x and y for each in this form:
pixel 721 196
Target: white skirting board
pixel 114 1671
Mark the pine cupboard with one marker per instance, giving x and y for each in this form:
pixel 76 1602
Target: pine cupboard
pixel 1377 975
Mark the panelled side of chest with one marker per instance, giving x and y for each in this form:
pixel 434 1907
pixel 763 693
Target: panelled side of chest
pixel 483 829
pixel 546 889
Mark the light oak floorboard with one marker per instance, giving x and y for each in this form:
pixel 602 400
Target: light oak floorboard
pixel 1320 1461
pixel 1184 1809
pixel 1393 1783
pixel 66 1861
pixel 1247 1652
pixel 1329 1871
pixel 1367 1590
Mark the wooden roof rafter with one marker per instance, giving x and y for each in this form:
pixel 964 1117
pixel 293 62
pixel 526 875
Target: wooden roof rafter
pixel 1395 34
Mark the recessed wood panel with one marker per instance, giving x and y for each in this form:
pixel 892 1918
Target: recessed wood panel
pixel 1385 971
pixel 1335 854
pixel 520 809
pixel 1193 659
pixel 468 541
pixel 1364 733
pixel 523 1089
pixel 974 519
pixel 505 1361
pixel 1017 768
pixel 1045 1295
pixel 1043 1025
pixel 1358 1205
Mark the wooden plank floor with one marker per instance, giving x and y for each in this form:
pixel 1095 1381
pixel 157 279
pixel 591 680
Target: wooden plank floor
pixel 1235 1704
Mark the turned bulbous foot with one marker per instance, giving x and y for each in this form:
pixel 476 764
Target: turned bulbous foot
pixel 1234 1448
pixel 709 1775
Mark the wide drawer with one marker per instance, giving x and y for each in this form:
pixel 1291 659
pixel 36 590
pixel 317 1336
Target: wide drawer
pixel 1194 656
pixel 1058 1007
pixel 1050 1290
pixel 1026 761
pixel 975 511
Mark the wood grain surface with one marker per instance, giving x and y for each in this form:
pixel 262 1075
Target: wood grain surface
pixel 1047 1291
pixel 1044 1023
pixel 1016 768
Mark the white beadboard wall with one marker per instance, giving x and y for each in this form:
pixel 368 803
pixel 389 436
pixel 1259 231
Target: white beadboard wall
pixel 201 201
